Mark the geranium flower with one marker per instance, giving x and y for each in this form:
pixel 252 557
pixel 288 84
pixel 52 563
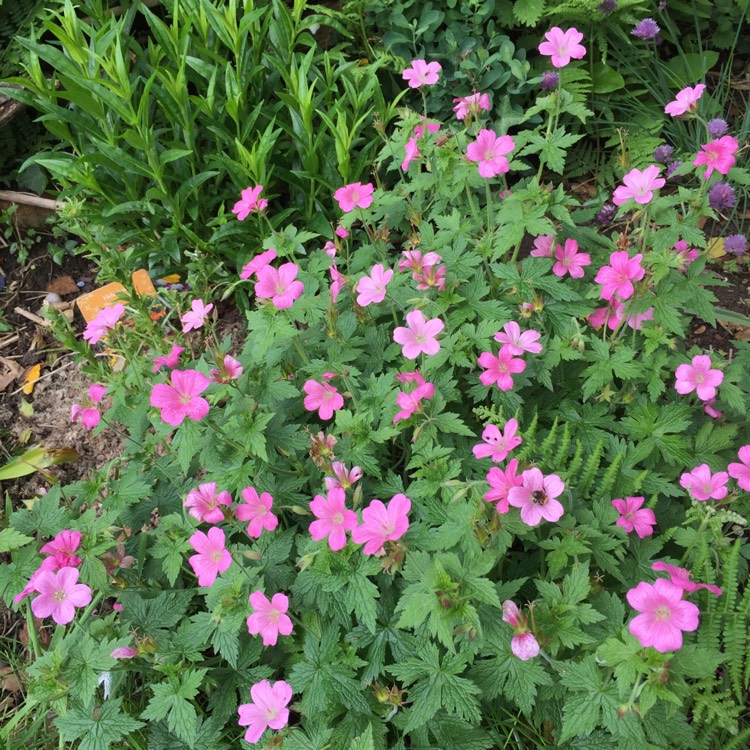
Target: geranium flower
pixel 89 416
pixel 268 709
pixel 334 519
pixel 500 369
pixel 259 261
pixel 124 652
pixel 524 644
pixel 257 510
pixel 205 503
pixel 472 105
pixel 741 471
pixel 63 547
pixel 105 319
pixel 686 254
pixel 343 478
pixel 195 319
pixel 323 398
pixel 59 595
pixel 681 577
pixel 212 558
pixel 699 377
pixel 569 260
pixel 230 369
pixel 633 517
pixel 182 398
pixel 354 195
pixel 489 151
pixel 502 482
pixel 171 360
pixel 543 246
pixel 410 403
pixel 338 282
pixel 269 619
pixel 497 445
pixel 516 342
pixel 279 285
pixel 372 288
pixel 536 497
pixel 411 153
pixel 250 200
pixel 427 127
pixel 617 278
pixel 686 100
pixel 561 45
pixel 703 485
pixel 639 186
pixel 664 615
pixel 717 155
pixel 49 564
pixel 419 337
pixel 381 523
pixel 422 73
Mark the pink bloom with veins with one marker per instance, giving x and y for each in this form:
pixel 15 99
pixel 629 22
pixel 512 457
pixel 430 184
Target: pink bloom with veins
pixel 524 644
pixel 617 278
pixel 96 392
pixel 59 595
pixel 422 73
pixel 381 523
pixel 414 261
pixel 89 416
pixel 708 408
pixel 569 260
pixel 502 481
pixel 230 369
pixel 613 314
pixel 270 619
pixel 685 101
pixel 489 151
pixel 633 517
pixel 212 557
pixel 699 377
pixel 412 152
pixel 497 445
pixel 544 246
pixel 717 155
pixel 703 485
pixel 664 615
pixel 354 195
pixel 372 288
pixel 430 127
pixel 323 398
pixel 471 106
pixel 639 186
pixel 259 261
pixel 419 337
pixel 686 254
pixel 268 709
pixel 537 497
pixel 63 547
pixel 741 471
pixel 409 403
pixel 341 232
pixel 171 360
pixel 205 503
pixel 561 46
pixel 49 564
pixel 330 249
pixel 681 577
pixel 334 519
pixel 195 319
pixel 516 342
pixel 250 200
pixel 104 320
pixel 279 285
pixel 257 510
pixel 182 398
pixel 342 478
pixel 338 282
pixel 500 369
pixel 124 652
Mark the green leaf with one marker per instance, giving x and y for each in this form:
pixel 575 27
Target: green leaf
pixel 171 700
pixel 96 728
pixel 605 79
pixel 365 741
pixel 11 539
pixel 528 12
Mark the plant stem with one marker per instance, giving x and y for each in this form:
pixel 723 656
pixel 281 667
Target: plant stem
pixel 31 629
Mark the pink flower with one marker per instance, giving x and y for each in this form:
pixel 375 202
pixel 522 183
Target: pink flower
pixel 412 152
pixel 259 261
pixel 105 319
pixel 543 246
pixel 49 564
pixel 686 254
pixel 498 444
pixel 569 260
pixel 717 155
pixel 489 150
pixel 500 368
pixel 372 288
pixel 709 409
pixel 419 337
pixel 334 520
pixel 562 45
pixel 59 595
pixel 182 398
pixel 422 73
pixel 338 282
pixel 269 619
pixel 702 484
pixel 639 186
pixel 322 397
pixel 212 557
pixel 257 510
pixel 664 615
pixel 502 482
pixel 410 403
pixel 536 497
pixel 613 314
pixel 472 105
pixel 416 262
pixel 249 202
pixel 89 416
pixel 341 232
pixel 205 503
pixel 195 319
pixel 516 342
pixel 681 577
pixel 171 360
pixel 117 607
pixel 382 523
pixel 268 709
pixel 63 547
pixel 230 369
pixel 343 478
pixel 330 249
pixel 617 278
pixel 524 644
pixel 354 195
pixel 741 471
pixel 279 285
pixel 685 101
pixel 633 517
pixel 124 652
pixel 96 392
pixel 430 127
pixel 698 377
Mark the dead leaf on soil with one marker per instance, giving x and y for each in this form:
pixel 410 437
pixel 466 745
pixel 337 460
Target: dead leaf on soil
pixel 63 285
pixel 32 375
pixel 716 247
pixel 9 372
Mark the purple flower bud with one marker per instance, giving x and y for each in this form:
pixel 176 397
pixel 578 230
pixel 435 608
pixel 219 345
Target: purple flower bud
pixel 549 81
pixel 646 29
pixel 663 154
pixel 607 7
pixel 717 127
pixel 672 167
pixel 721 195
pixel 606 214
pixel 735 244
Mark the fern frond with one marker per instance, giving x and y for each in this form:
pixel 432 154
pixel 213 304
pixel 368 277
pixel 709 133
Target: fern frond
pixel 590 469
